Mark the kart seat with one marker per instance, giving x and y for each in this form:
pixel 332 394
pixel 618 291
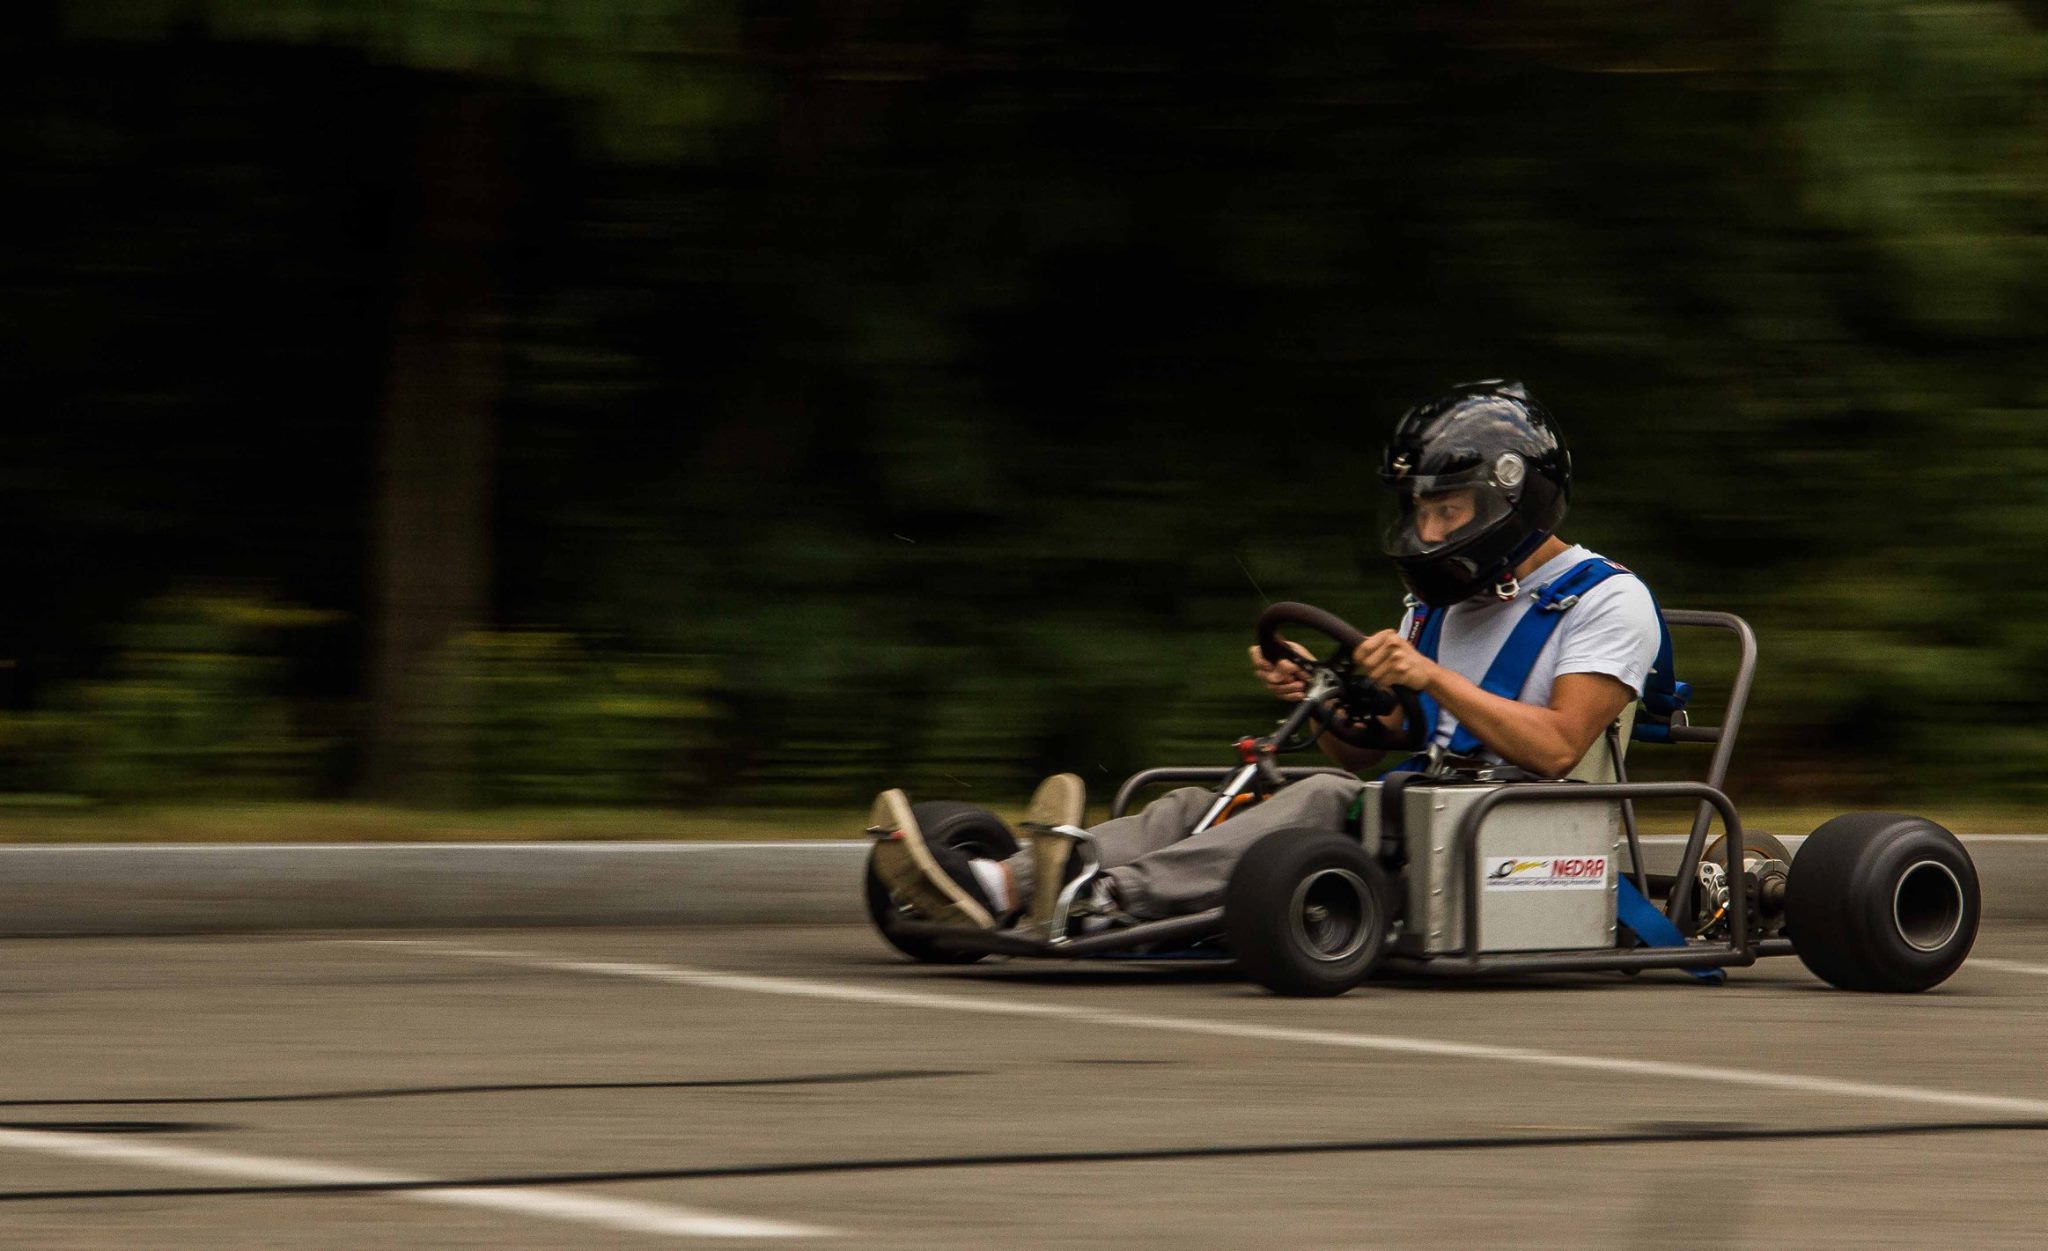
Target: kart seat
pixel 1603 761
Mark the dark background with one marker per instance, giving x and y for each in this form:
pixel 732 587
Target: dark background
pixel 728 403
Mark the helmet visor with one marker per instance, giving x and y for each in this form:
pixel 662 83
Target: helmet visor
pixel 1429 513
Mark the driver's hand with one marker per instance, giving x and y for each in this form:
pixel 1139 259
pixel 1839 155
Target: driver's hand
pixel 1286 680
pixel 1390 661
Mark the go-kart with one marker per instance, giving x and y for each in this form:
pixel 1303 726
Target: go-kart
pixel 1462 868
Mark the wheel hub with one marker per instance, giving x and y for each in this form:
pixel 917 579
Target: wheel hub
pixel 1927 905
pixel 1331 911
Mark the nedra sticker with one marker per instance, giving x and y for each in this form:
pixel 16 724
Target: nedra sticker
pixel 1546 873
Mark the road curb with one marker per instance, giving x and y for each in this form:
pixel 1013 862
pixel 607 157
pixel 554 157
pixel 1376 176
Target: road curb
pixel 177 888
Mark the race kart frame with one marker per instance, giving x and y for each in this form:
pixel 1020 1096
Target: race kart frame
pixel 1879 901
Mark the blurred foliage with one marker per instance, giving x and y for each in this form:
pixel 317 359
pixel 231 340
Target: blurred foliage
pixel 662 74
pixel 195 702
pixel 935 393
pixel 557 725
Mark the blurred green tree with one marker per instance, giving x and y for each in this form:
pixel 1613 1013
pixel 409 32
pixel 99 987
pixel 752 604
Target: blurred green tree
pixel 953 383
pixel 661 77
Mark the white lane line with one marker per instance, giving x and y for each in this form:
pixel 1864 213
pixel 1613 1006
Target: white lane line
pixel 581 1209
pixel 2005 966
pixel 681 975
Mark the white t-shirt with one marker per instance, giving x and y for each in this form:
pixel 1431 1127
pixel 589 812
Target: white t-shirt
pixel 1613 629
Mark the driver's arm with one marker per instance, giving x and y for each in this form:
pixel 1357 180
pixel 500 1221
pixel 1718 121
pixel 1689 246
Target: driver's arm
pixel 1548 741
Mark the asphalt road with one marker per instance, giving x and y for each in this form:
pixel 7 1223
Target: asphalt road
pixel 801 1086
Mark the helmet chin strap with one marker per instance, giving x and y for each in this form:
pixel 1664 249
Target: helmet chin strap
pixel 1509 585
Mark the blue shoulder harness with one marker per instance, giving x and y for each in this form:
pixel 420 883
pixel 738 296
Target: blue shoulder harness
pixel 1663 694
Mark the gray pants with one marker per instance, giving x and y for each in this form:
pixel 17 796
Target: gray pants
pixel 1160 871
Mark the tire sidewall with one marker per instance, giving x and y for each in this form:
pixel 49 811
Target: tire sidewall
pixel 1259 905
pixel 946 823
pixel 1896 963
pixel 1841 897
pixel 881 914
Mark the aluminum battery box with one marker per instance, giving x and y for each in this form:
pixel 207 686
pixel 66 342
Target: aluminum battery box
pixel 1547 871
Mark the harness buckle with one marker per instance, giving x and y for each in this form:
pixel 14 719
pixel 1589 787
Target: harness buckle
pixel 1560 605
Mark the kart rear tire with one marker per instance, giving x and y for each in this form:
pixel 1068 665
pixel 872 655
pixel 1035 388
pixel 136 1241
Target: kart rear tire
pixel 1882 901
pixel 1307 912
pixel 943 823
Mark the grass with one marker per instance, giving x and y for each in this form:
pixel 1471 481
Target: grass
pixel 54 821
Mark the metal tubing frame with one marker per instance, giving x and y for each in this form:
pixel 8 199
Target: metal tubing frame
pixel 1628 814
pixel 1736 952
pixel 1515 963
pixel 1203 924
pixel 1202 773
pixel 1723 738
pixel 1208 924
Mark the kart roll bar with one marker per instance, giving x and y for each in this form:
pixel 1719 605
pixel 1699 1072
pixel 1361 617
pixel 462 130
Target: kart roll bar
pixel 1722 736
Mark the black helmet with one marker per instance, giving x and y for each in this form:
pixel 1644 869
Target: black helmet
pixel 1480 477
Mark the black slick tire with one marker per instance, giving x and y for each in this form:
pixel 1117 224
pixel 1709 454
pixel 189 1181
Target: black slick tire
pixel 1307 912
pixel 1882 901
pixel 944 823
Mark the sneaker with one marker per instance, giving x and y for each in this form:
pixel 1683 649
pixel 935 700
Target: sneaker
pixel 1065 868
pixel 1051 825
pixel 1061 799
pixel 936 883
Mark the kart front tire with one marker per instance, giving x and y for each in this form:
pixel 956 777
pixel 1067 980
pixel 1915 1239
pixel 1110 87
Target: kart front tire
pixel 945 823
pixel 1882 901
pixel 1307 912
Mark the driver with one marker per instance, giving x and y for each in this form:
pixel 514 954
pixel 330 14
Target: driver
pixel 1477 481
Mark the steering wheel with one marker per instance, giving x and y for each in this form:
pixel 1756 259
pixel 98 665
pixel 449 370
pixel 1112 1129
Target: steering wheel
pixel 1360 700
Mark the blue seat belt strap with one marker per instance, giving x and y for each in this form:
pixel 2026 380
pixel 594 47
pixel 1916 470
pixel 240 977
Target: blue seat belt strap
pixel 1663 694
pixel 1651 927
pixel 1426 632
pixel 1509 673
pixel 1510 670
